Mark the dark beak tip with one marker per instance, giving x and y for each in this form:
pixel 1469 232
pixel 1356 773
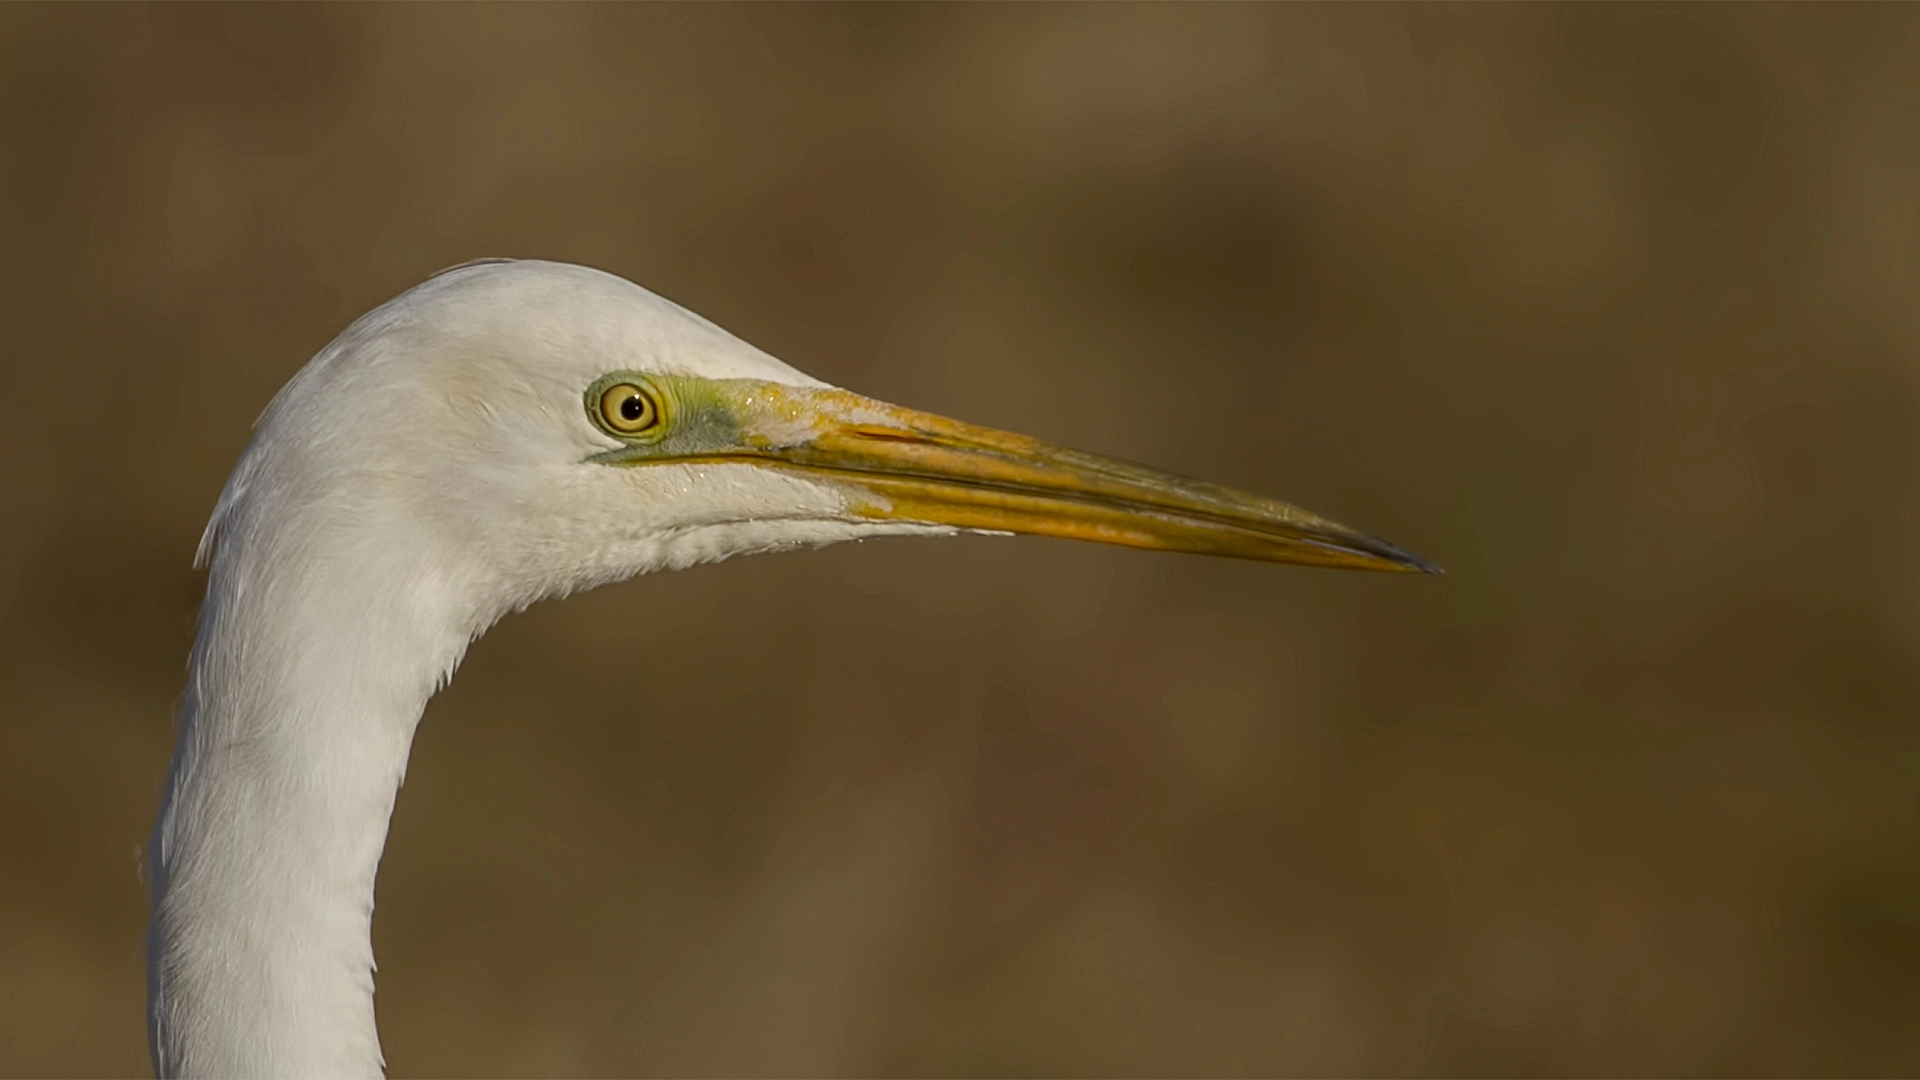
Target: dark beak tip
pixel 1407 561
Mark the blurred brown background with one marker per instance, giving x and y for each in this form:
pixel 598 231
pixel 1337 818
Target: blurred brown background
pixel 1610 310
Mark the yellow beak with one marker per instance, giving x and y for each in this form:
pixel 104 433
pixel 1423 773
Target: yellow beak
pixel 904 465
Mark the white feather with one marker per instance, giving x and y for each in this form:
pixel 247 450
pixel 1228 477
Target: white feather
pixel 422 476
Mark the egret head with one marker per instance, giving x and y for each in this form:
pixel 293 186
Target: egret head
pixel 546 427
pixel 510 431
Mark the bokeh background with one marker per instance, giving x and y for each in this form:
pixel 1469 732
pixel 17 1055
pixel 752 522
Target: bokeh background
pixel 1611 310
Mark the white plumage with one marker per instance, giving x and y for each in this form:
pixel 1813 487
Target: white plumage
pixel 506 432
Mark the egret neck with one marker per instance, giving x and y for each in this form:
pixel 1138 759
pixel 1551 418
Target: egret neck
pixel 306 684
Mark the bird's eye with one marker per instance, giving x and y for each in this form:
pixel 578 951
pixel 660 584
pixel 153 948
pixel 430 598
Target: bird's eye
pixel 626 409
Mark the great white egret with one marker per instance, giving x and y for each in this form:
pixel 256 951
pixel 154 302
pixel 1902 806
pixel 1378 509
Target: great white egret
pixel 505 432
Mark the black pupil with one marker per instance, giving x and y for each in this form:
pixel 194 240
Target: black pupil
pixel 633 408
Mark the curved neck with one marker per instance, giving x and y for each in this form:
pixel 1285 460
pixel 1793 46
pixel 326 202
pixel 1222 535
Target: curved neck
pixel 303 695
